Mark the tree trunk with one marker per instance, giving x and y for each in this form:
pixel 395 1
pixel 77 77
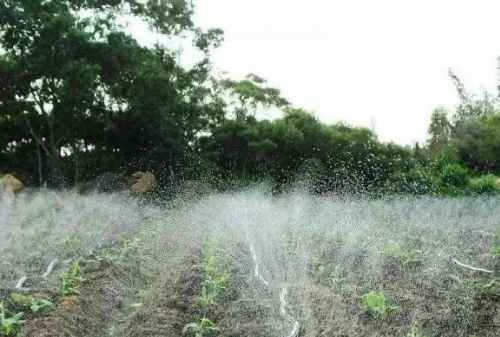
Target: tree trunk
pixel 77 164
pixel 39 155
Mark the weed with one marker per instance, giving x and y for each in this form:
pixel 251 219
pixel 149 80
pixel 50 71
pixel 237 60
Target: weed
pixel 10 325
pixel 377 303
pixel 35 305
pixel 199 329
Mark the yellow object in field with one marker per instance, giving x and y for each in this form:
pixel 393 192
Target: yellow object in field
pixel 8 186
pixel 10 182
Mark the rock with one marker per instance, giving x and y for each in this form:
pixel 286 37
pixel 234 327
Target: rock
pixel 11 183
pixel 142 182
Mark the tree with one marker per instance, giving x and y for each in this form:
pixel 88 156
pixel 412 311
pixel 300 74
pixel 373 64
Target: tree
pixel 439 129
pixel 85 90
pixel 248 95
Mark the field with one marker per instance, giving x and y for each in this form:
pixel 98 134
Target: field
pixel 249 264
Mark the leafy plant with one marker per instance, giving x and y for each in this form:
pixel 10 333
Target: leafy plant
pixel 10 325
pixel 207 299
pixel 35 305
pixel 70 280
pixel 495 250
pixel 377 303
pixel 215 279
pixel 199 329
pixel 406 256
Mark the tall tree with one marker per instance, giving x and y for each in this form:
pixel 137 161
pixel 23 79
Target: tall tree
pixel 439 129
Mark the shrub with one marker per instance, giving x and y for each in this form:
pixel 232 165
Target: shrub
pixel 484 184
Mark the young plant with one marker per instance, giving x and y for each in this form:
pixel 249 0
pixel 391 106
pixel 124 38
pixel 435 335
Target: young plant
pixel 405 256
pixel 495 250
pixel 35 305
pixel 199 329
pixel 207 298
pixel 10 325
pixel 215 280
pixel 71 280
pixel 377 303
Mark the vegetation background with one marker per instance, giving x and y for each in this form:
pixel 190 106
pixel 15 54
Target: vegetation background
pixel 79 97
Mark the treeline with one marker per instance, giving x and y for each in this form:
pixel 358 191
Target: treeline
pixel 79 96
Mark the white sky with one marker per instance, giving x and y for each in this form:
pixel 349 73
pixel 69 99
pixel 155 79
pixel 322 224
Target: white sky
pixel 358 60
pixel 361 60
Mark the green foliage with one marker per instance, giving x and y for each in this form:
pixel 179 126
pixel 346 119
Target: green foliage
pixel 484 184
pixel 35 305
pixel 73 81
pixel 405 256
pixel 215 280
pixel 495 250
pixel 199 329
pixel 70 281
pixel 376 303
pixel 10 325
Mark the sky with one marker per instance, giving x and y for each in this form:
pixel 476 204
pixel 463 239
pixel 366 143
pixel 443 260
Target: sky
pixel 375 63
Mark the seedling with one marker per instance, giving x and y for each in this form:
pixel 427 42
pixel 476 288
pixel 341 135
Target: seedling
pixel 10 325
pixel 215 280
pixel 406 256
pixel 69 281
pixel 199 329
pixel 207 299
pixel 35 305
pixel 495 250
pixel 376 303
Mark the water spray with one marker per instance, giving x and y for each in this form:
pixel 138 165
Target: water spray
pixel 50 268
pixel 21 282
pixel 472 268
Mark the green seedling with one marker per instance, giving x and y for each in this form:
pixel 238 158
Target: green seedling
pixel 70 281
pixel 377 303
pixel 495 250
pixel 215 280
pixel 492 286
pixel 10 325
pixel 207 299
pixel 406 256
pixel 199 329
pixel 35 305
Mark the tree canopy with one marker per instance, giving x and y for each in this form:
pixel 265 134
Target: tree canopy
pixel 80 96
